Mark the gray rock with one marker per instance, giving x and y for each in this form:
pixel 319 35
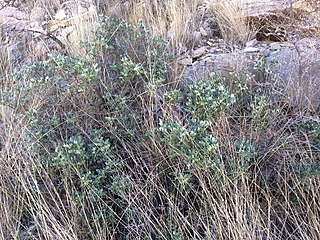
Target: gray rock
pixel 203 32
pixel 251 50
pixel 196 36
pixel 251 43
pixel 275 46
pixel 198 52
pixel 295 69
pixel 185 61
pixel 37 14
pixel 264 52
pixel 169 34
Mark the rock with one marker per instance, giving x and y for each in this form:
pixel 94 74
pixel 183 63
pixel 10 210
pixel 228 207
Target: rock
pixel 251 50
pixel 68 30
pixel 216 50
pixel 211 44
pixel 209 22
pixel 13 18
pixel 126 6
pixel 263 8
pixel 2 136
pixel 274 46
pixel 264 52
pixel 251 43
pixel 81 10
pixel 40 50
pixel 276 20
pixel 295 69
pixel 203 32
pixel 196 36
pixel 60 15
pixel 89 17
pixel 198 52
pixel 12 12
pixel 305 43
pixel 169 34
pixel 37 14
pixel 185 61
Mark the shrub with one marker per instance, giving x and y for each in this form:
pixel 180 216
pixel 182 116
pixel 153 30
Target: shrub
pixel 114 150
pixel 208 98
pixel 82 110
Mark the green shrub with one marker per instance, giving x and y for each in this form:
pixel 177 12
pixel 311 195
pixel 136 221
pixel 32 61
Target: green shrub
pixel 82 111
pixel 139 157
pixel 191 143
pixel 207 98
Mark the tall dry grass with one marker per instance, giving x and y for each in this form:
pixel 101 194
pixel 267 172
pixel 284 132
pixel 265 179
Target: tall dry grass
pixel 231 17
pixel 173 19
pixel 271 204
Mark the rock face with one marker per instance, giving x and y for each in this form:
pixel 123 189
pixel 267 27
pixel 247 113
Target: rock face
pixel 13 17
pixel 27 34
pixel 285 51
pixel 295 67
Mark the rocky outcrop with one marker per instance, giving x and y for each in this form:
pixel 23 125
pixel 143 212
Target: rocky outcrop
pixel 294 66
pixel 14 18
pixel 285 51
pixel 30 34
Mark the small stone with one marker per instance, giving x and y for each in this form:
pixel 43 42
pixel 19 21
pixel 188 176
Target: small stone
pixel 216 50
pixel 81 9
pixel 186 61
pixel 203 32
pixel 40 50
pixel 251 43
pixel 12 12
pixel 264 52
pixel 60 15
pixel 68 30
pixel 37 14
pixel 126 6
pixel 62 40
pixel 196 36
pixel 208 22
pixel 155 107
pixel 251 50
pixel 169 34
pixel 213 45
pixel 199 52
pixel 216 43
pixel 275 46
pixel 93 8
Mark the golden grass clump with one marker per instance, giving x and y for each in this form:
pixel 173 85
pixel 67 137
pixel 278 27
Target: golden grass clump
pixel 231 18
pixel 173 19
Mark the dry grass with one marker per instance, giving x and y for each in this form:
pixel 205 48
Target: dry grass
pixel 35 203
pixel 34 208
pixel 173 19
pixel 84 22
pixel 75 20
pixel 231 17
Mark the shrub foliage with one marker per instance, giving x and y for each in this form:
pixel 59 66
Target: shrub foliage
pixel 139 158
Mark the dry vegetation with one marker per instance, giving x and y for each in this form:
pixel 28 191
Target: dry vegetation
pixel 104 145
pixel 231 17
